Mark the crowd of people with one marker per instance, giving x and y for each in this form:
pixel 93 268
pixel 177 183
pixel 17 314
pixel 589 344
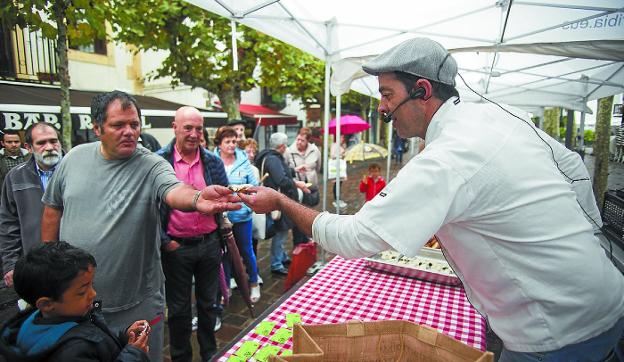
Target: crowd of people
pixel 147 215
pixel 515 233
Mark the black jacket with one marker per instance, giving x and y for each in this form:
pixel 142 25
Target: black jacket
pixel 280 178
pixel 20 213
pixel 89 339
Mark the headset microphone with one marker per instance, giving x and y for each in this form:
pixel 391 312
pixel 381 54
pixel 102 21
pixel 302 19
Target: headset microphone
pixel 414 94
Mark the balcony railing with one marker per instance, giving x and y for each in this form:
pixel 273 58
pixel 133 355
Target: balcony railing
pixel 27 56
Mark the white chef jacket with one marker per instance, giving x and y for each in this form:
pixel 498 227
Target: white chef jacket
pixel 508 222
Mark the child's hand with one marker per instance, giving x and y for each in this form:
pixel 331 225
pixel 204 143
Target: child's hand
pixel 364 179
pixel 138 335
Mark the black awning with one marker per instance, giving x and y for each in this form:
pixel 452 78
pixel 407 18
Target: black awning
pixel 23 104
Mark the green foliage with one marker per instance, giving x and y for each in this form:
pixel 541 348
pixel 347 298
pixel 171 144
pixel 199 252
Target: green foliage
pixel 200 50
pixel 589 136
pixel 288 70
pixel 84 19
pixel 197 41
pixel 66 21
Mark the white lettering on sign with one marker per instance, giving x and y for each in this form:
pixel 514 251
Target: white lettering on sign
pixel 12 121
pixel 31 118
pixel 144 123
pixel 85 121
pixel 53 119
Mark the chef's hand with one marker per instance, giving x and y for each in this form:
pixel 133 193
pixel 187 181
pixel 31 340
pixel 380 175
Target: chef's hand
pixel 261 199
pixel 217 198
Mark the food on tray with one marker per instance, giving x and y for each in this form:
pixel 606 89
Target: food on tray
pixel 433 243
pixel 239 188
pixel 417 262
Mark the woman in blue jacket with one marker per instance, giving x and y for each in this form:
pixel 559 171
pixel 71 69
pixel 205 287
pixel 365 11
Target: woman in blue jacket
pixel 239 172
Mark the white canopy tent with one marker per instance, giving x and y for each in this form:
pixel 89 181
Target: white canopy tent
pixel 531 54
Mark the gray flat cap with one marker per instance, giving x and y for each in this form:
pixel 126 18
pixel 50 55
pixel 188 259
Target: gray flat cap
pixel 421 57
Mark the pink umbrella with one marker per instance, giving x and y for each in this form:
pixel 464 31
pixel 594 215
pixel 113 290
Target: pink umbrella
pixel 349 124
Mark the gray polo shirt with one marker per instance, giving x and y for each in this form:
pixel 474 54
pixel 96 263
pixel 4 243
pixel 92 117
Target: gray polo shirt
pixel 110 208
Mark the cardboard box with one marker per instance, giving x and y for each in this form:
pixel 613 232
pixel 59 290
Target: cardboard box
pixel 378 341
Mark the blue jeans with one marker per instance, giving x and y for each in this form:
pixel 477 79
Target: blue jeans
pixel 242 235
pixel 592 350
pixel 278 256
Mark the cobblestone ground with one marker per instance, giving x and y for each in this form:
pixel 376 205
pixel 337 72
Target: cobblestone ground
pixel 236 317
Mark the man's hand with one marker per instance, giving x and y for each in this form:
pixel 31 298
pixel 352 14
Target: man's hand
pixel 8 278
pixel 302 185
pixel 215 199
pixel 171 246
pixel 261 199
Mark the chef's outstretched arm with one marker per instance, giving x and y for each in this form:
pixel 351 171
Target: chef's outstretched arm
pixel 264 199
pixel 344 235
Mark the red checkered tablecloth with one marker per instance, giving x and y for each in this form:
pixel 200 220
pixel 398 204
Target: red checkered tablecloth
pixel 348 290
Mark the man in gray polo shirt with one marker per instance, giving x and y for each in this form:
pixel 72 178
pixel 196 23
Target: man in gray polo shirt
pixel 104 198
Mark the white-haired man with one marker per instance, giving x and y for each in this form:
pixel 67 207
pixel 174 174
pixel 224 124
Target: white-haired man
pixel 21 208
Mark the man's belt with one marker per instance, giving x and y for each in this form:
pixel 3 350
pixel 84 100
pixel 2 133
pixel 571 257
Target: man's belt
pixel 193 239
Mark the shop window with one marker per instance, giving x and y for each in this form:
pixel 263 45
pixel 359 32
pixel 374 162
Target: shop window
pixel 98 46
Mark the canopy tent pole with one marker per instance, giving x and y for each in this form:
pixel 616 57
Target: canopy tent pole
pixel 389 158
pixel 326 133
pixel 541 119
pixel 337 150
pixel 413 145
pixel 234 46
pixel 321 263
pixel 581 145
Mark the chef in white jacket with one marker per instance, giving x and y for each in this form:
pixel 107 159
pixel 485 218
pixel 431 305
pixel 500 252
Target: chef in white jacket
pixel 502 198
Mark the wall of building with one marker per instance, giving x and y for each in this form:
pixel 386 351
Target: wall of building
pixel 102 72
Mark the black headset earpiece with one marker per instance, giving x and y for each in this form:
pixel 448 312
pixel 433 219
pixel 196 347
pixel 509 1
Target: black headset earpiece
pixel 417 93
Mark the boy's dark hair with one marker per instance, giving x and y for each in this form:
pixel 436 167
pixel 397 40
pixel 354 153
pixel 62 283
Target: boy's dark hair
pixel 100 102
pixel 440 90
pixel 48 269
pixel 374 166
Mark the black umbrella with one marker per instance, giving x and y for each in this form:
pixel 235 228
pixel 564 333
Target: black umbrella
pixel 238 269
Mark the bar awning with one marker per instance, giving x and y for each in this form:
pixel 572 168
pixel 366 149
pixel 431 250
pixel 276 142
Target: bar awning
pixel 264 116
pixel 22 104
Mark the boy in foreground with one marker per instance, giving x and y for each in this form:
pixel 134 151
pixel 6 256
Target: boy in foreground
pixel 66 322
